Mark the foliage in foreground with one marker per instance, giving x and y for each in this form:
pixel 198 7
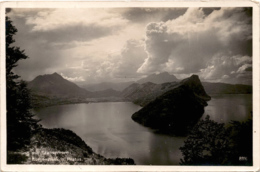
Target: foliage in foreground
pixel 211 143
pixel 20 122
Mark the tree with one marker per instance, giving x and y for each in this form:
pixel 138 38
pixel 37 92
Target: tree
pixel 242 142
pixel 211 143
pixel 207 144
pixel 20 121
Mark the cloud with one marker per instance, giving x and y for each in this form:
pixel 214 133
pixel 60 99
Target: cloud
pixel 65 25
pixel 189 43
pixel 141 15
pixel 245 68
pixel 130 59
pixel 117 44
pixel 223 67
pixel 59 40
pixel 115 67
pixel 77 32
pixel 62 18
pixel 225 77
pixel 75 79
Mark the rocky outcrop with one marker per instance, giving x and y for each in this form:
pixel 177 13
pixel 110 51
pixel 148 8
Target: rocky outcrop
pixel 176 111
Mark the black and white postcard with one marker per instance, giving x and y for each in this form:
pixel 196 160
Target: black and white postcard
pixel 130 86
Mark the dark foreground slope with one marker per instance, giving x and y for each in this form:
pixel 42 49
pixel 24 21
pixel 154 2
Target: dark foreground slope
pixel 177 110
pixel 60 146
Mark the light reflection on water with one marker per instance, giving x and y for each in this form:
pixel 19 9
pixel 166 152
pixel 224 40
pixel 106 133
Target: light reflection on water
pixel 109 130
pixel 224 108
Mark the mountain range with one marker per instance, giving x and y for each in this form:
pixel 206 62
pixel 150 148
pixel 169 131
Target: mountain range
pixel 54 88
pixel 105 85
pixel 154 78
pixel 161 78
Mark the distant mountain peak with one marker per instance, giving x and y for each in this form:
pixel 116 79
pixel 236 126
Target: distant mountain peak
pixel 55 73
pixel 55 84
pixel 192 78
pixel 158 78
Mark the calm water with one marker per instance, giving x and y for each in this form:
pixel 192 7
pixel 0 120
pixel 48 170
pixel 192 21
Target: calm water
pixel 110 131
pixel 224 108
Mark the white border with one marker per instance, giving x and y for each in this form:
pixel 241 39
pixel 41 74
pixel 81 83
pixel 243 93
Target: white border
pixel 128 3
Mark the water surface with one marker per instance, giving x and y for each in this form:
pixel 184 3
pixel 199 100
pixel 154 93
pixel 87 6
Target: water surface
pixel 224 108
pixel 109 130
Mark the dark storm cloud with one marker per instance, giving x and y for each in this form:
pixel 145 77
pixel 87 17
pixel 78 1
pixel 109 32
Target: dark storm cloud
pixel 208 11
pixel 77 32
pixel 140 15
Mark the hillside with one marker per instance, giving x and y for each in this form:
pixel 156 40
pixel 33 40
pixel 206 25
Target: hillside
pixel 177 110
pixel 61 147
pixel 55 85
pixel 142 94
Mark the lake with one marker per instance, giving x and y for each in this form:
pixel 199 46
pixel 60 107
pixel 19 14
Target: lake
pixel 224 108
pixel 109 130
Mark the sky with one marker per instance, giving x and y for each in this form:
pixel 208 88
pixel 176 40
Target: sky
pixel 93 45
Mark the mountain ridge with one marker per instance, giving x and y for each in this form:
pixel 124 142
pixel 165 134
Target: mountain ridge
pixel 176 111
pixel 210 87
pixel 53 89
pixel 55 84
pixel 154 78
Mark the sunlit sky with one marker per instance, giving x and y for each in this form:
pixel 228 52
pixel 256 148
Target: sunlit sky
pixel 125 44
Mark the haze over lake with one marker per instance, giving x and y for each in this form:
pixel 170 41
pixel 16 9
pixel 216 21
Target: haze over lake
pixel 110 131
